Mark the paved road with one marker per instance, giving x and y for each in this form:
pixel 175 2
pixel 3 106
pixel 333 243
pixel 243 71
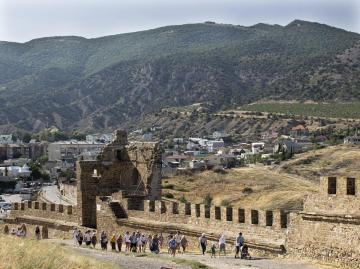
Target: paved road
pixel 52 194
pixel 11 198
pixel 163 259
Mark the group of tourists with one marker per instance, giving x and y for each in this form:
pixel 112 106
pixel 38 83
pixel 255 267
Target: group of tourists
pixel 19 231
pixel 241 250
pixel 139 242
pixel 132 242
pixel 89 238
pixel 177 243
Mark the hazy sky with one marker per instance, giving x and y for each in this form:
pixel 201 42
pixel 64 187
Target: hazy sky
pixel 23 20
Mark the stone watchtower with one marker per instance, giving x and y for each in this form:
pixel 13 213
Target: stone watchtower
pixel 122 169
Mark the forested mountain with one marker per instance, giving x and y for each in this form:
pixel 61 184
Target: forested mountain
pixel 101 83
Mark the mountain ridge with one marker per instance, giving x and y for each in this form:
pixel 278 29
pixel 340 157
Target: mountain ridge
pixel 99 83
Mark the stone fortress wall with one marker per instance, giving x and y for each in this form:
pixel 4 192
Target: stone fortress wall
pixel 42 210
pixel 264 230
pixel 328 228
pixel 122 191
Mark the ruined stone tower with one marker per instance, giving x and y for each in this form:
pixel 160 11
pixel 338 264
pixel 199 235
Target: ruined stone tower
pixel 122 169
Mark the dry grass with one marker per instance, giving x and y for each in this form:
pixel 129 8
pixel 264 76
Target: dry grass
pixel 23 253
pixel 340 160
pixel 284 186
pixel 266 189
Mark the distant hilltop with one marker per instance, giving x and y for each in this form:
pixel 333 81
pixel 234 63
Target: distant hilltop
pixel 105 83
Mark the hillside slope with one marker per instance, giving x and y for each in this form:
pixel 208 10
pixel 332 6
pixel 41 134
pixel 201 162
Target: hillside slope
pixel 97 84
pixel 267 187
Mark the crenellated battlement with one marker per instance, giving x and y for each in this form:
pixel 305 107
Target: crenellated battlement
pixel 263 228
pixel 171 211
pixel 337 195
pixel 67 213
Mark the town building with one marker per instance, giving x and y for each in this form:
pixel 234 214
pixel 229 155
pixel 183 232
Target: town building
pixel 99 138
pixel 14 171
pixel 71 150
pixel 355 140
pixel 6 139
pixel 299 131
pixel 257 148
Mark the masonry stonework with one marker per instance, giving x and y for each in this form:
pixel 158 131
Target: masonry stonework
pixel 328 228
pixel 121 190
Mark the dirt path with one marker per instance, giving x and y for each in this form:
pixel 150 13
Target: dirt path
pixel 230 262
pixel 130 261
pixel 184 261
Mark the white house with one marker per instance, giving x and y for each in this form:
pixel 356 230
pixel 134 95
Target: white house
pixel 15 171
pixel 6 139
pixel 214 145
pixel 257 147
pixel 352 140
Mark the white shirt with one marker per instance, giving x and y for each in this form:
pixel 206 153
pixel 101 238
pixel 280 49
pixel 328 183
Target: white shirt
pixel 127 238
pixel 87 237
pixel 222 240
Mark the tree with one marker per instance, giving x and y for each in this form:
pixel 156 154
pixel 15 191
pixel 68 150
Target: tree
pixel 26 138
pixel 37 173
pixel 68 174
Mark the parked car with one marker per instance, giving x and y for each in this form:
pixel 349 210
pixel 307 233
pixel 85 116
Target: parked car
pixel 5 206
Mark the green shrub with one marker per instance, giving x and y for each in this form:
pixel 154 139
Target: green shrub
pixel 208 199
pixel 183 200
pixel 247 190
pixel 226 203
pixel 168 195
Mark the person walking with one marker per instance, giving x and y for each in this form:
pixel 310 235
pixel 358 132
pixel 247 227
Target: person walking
pixel 184 243
pixel 80 238
pixel 161 240
pixel 127 241
pixel 203 243
pixel 172 246
pixel 119 241
pixel 155 244
pixel 113 242
pixel 133 241
pixel 37 235
pixel 213 251
pixel 149 241
pixel 93 239
pixel 222 245
pixel 143 242
pixel 178 241
pixel 139 243
pixel 87 238
pixel 103 240
pixel 239 243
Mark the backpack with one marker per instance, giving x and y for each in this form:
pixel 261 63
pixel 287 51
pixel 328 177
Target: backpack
pixel 172 243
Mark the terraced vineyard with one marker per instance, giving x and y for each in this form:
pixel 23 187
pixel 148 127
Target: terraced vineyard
pixel 326 110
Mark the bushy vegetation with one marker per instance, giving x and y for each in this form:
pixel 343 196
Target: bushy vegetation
pixel 169 195
pixel 208 199
pixel 225 203
pixel 326 110
pixel 37 172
